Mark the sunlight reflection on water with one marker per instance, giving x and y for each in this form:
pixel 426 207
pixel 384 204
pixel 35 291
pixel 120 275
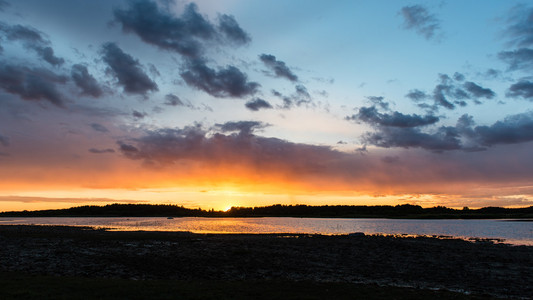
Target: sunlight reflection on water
pixel 515 232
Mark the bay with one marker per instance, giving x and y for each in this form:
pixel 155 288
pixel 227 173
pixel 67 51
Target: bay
pixel 517 232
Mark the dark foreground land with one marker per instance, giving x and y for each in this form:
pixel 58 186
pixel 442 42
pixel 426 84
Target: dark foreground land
pixel 55 262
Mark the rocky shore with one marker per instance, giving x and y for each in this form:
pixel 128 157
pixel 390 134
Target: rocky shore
pixel 473 267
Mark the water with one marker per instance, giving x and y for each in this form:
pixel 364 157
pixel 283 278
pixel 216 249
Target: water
pixel 511 231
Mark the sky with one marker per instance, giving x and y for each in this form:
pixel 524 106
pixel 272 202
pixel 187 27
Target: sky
pixel 222 103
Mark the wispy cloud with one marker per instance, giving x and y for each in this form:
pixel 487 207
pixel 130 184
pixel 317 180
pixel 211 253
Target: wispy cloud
pixel 278 67
pixel 419 19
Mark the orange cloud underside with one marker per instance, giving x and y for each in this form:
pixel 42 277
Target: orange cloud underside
pixel 219 186
pixel 131 175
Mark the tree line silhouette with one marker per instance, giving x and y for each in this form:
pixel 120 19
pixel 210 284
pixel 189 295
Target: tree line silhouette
pixel 325 211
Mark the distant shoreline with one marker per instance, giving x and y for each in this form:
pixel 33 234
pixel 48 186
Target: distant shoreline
pixel 405 211
pixel 525 219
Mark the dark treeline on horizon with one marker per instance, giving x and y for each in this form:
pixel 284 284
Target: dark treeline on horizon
pixel 278 210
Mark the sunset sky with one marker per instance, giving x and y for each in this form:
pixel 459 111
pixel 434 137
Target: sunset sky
pixel 216 103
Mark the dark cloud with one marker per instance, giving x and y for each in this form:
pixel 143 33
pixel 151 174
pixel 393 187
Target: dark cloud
pixel 101 151
pixel 31 84
pixel 302 95
pixel 418 18
pixel 445 138
pixel 478 91
pixel 232 31
pixel 138 114
pixel 370 115
pixel 163 30
pixel 99 127
pixel 512 130
pixel 459 93
pixel 302 91
pixel 449 93
pixel 173 100
pixel 25 34
pixel 85 81
pixel 287 103
pixel 32 39
pixel 520 26
pixel 186 34
pixel 276 93
pixel 521 59
pixel 464 135
pixel 242 127
pixel 523 88
pixel 127 70
pixel 278 67
pixel 458 76
pixel 257 104
pixel 379 101
pixel 221 83
pixel 465 125
pixel 4 140
pixel 185 153
pixel 128 150
pixel 417 95
pixel 439 96
pixel 465 121
pixel 165 147
pixel 47 53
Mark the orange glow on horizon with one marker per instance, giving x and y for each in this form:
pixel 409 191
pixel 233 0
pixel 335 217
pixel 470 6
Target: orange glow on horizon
pixel 215 186
pixel 221 199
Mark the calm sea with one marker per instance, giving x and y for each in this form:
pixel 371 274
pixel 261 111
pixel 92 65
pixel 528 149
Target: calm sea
pixel 511 231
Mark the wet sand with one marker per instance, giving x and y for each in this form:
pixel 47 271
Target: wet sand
pixel 477 267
